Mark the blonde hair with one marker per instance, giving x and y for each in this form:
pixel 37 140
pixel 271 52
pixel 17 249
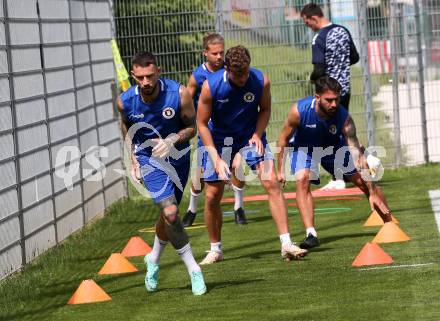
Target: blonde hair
pixel 212 38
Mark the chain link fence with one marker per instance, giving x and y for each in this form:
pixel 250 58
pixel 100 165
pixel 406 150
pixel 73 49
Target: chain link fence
pixel 393 86
pixel 59 138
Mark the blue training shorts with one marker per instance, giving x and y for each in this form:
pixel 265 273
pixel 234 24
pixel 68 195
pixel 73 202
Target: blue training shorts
pixel 339 163
pixel 201 154
pixel 248 153
pixel 163 178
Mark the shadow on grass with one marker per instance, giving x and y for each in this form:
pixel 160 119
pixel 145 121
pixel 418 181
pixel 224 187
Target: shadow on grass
pixel 220 285
pixel 330 239
pixel 41 312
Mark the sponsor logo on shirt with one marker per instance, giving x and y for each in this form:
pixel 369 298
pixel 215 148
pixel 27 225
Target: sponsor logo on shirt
pixel 168 113
pixel 249 97
pixel 221 101
pixel 311 125
pixel 139 116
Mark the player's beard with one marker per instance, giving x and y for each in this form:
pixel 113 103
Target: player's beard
pixel 148 90
pixel 329 113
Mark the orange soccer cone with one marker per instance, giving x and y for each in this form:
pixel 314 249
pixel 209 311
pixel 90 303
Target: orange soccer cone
pixel 390 232
pixel 117 263
pixel 375 220
pixel 88 292
pixel 136 247
pixel 372 254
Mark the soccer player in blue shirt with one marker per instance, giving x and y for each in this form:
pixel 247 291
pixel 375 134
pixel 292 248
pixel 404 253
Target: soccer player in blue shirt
pixel 234 110
pixel 313 130
pixel 214 51
pixel 333 51
pixel 158 118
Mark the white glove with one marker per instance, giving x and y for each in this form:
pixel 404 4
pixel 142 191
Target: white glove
pixel 375 165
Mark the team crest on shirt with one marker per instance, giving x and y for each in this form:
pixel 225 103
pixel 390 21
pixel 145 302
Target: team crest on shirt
pixel 332 129
pixel 249 97
pixel 168 113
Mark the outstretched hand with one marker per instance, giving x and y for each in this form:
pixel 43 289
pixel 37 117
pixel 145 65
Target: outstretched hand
pixel 378 204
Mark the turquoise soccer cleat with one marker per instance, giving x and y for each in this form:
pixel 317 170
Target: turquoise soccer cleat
pixel 152 274
pixel 198 283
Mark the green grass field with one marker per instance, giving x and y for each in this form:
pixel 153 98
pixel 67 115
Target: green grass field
pixel 252 283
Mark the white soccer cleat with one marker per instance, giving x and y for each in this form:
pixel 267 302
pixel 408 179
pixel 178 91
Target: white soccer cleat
pixel 334 185
pixel 212 257
pixel 375 165
pixel 292 251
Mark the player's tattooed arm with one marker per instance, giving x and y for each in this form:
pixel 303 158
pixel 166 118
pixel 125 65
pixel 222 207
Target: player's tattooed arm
pixel 356 149
pixel 292 122
pixel 163 147
pixel 349 131
pixel 188 117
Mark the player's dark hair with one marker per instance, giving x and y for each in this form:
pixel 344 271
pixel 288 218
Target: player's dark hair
pixel 143 59
pixel 325 83
pixel 311 9
pixel 237 58
pixel 212 38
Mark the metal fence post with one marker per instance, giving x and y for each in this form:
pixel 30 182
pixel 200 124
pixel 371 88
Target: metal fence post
pixel 92 85
pixel 363 35
pixel 49 137
pixel 218 17
pixel 15 134
pixel 77 111
pixel 421 82
pixel 395 65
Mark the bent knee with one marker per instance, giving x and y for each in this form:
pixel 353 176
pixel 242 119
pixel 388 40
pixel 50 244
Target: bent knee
pixel 271 185
pixel 170 213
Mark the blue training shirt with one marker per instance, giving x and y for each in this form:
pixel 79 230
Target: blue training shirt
pixel 234 109
pixel 200 74
pixel 315 131
pixel 163 114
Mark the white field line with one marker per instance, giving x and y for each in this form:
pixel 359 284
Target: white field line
pixel 434 195
pixel 397 266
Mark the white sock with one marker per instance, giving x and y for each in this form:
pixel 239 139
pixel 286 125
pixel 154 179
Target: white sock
pixel 238 195
pixel 187 257
pixel 216 247
pixel 311 230
pixel 285 239
pixel 157 250
pixel 193 201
